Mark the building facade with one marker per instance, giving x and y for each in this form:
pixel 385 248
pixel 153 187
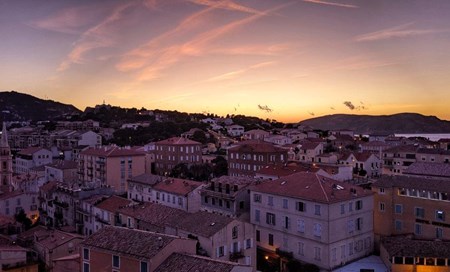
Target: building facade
pixel 173 151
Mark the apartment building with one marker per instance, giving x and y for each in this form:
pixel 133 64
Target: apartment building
pixel 396 159
pixel 411 205
pixel 110 166
pixel 363 163
pixel 32 157
pixel 173 151
pixel 227 195
pixel 247 157
pixel 313 219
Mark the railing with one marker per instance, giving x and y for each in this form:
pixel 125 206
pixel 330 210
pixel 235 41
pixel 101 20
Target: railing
pixel 236 255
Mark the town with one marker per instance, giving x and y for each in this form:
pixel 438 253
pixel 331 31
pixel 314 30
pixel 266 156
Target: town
pixel 223 195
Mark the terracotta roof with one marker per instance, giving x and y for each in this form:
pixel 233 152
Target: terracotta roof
pixel 308 145
pixel 31 150
pixel 147 179
pixel 256 146
pixel 235 180
pixel 401 246
pixel 94 199
pixel 375 143
pixel 445 140
pixel 11 194
pixel 134 243
pixel 177 141
pixel 188 263
pixel 200 223
pixel 312 187
pixel 362 156
pixel 203 224
pixel 257 131
pixel 437 185
pixel 113 203
pixel 111 151
pixel 435 151
pixel 177 186
pixel 402 148
pixel 49 238
pixel 6 220
pixel 49 186
pixel 283 170
pixel 429 169
pixel 63 164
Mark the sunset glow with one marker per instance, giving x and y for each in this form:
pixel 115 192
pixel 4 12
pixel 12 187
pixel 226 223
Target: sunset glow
pixel 301 59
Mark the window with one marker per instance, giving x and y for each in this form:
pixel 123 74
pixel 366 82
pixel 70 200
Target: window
pixel 350 248
pixel 342 208
pixel 359 223
pixel 234 232
pixel 333 254
pixel 85 267
pixel 270 219
pixel 285 203
pixel 350 206
pixel 257 215
pixel 287 222
pixel 398 208
pixel 317 209
pixel 317 253
pixel 301 225
pixel 206 199
pixel 358 205
pixel 398 225
pixel 144 267
pixel 420 212
pixel 439 233
pixel 257 198
pixel 301 248
pixel 350 226
pixel 270 239
pixel 418 229
pixel 86 254
pixel 342 251
pixel 440 215
pixel 382 207
pixel 248 243
pixel 115 261
pixel 220 251
pixel 300 206
pixel 258 236
pixel 317 230
pixel 270 200
pixel 381 191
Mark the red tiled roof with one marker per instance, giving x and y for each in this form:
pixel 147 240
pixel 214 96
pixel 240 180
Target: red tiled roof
pixel 402 148
pixel 177 141
pixel 437 185
pixel 312 187
pixel 30 151
pixel 429 169
pixel 113 203
pixel 177 186
pixel 187 263
pixel 257 146
pixel 111 152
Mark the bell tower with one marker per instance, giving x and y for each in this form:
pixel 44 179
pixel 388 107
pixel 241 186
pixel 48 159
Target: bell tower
pixel 5 159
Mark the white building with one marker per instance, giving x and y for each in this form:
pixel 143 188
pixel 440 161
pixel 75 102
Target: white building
pixel 32 157
pixel 313 219
pixel 235 130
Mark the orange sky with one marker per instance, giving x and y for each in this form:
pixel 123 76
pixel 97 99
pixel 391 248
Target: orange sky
pixel 299 58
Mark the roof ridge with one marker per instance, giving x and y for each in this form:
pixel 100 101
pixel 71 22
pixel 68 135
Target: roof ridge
pixel 321 186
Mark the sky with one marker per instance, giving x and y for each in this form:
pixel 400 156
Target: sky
pixel 276 59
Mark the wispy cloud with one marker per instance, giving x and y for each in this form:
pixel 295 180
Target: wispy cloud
pixel 234 74
pixel 401 31
pixel 95 37
pixel 228 5
pixel 151 59
pixel 331 3
pixel 70 20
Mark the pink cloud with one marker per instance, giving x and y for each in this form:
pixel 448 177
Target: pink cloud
pixel 331 3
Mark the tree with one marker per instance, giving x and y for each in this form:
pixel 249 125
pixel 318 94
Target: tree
pixel 180 170
pixel 220 166
pixel 199 136
pixel 22 218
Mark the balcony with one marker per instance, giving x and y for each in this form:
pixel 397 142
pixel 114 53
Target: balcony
pixel 222 195
pixel 101 220
pixel 236 255
pixel 62 204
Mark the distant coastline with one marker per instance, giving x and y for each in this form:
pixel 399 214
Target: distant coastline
pixel 430 136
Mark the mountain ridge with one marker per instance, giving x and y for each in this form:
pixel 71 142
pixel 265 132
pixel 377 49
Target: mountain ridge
pixel 380 124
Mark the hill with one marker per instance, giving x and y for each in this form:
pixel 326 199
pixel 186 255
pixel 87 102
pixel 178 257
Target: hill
pixel 380 124
pixel 19 106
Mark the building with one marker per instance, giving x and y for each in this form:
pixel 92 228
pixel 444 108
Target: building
pixel 32 157
pixel 173 151
pixel 309 151
pixel 428 170
pixel 435 155
pixel 5 159
pixel 235 130
pixel 104 212
pixel 140 188
pixel 220 237
pixel 50 244
pixel 14 258
pixel 11 203
pixel 313 219
pixel 62 171
pixel 256 134
pixel 363 163
pixel 110 166
pixel 398 158
pixel 247 157
pixel 411 205
pixel 123 249
pixel 404 254
pixel 227 195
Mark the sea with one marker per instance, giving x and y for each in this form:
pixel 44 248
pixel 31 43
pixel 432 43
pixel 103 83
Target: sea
pixel 430 136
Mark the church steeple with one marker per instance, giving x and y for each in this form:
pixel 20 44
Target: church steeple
pixel 5 159
pixel 4 140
